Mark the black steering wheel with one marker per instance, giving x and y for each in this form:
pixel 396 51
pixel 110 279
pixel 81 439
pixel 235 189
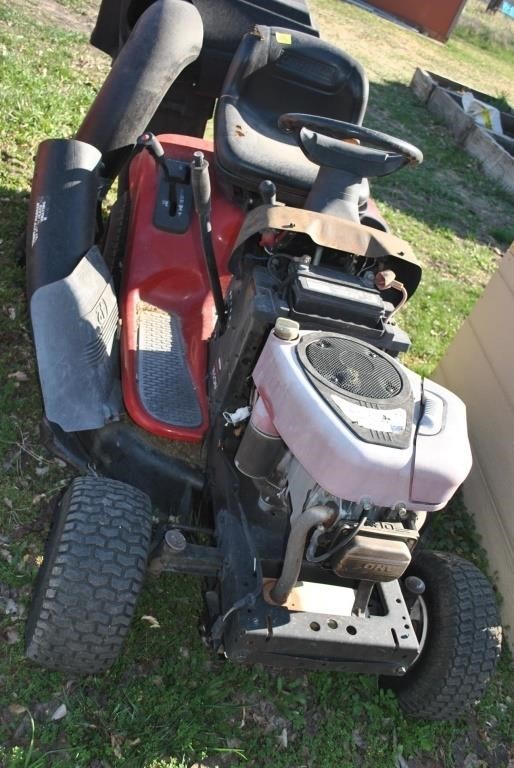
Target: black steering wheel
pixel 325 142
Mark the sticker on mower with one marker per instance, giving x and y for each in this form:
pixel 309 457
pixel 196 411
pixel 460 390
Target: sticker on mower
pixel 284 38
pixel 40 216
pixel 394 420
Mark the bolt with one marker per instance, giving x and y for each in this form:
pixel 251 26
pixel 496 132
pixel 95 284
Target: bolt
pixel 401 670
pixel 175 540
pixel 415 585
pixel 402 511
pixel 198 158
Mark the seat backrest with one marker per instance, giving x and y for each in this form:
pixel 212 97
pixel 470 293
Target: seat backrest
pixel 277 70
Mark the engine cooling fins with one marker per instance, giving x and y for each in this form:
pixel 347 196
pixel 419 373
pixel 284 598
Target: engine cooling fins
pixel 364 386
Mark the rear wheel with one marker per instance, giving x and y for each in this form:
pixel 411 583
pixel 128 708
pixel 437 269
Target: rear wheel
pixel 458 620
pixel 93 568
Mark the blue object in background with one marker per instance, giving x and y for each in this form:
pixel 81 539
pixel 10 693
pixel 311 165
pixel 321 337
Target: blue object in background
pixel 508 9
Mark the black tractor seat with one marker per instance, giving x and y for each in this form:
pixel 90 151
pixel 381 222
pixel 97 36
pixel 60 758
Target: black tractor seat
pixel 273 71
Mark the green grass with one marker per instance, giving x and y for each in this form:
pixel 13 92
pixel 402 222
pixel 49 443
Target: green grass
pixel 168 701
pixel 449 212
pixel 490 31
pixel 390 52
pixel 76 5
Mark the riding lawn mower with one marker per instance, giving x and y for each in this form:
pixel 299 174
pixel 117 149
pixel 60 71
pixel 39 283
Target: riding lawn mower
pixel 221 353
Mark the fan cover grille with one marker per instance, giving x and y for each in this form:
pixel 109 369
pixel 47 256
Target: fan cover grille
pixel 353 368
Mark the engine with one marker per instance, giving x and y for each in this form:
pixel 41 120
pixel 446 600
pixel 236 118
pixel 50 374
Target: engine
pixel 340 425
pixel 345 443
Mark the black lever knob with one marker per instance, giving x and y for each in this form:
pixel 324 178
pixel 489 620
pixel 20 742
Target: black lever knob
pixel 150 142
pixel 268 192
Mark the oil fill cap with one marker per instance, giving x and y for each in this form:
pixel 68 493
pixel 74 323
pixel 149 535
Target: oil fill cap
pixel 286 329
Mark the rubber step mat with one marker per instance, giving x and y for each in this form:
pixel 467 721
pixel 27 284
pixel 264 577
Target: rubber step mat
pixel 164 382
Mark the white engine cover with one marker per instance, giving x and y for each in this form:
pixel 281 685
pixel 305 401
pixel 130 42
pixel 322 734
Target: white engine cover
pixel 423 476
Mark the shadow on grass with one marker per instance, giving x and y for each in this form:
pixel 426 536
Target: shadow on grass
pixel 13 204
pixel 449 191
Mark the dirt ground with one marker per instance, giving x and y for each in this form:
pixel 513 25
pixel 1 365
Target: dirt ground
pixel 51 11
pixel 394 57
pixel 386 58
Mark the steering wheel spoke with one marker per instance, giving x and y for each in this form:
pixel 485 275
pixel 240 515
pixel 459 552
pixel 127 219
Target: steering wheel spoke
pixel 326 142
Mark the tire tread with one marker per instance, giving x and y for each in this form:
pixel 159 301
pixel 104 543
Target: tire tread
pixel 92 572
pixel 463 642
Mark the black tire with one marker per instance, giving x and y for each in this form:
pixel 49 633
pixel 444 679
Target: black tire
pixel 90 578
pixel 463 641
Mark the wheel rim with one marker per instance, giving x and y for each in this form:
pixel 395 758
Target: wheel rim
pixel 418 615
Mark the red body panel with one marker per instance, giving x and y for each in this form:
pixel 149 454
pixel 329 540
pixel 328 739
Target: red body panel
pixel 168 271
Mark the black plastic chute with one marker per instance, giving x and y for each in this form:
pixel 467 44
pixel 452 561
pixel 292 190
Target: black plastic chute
pixel 62 213
pixel 166 38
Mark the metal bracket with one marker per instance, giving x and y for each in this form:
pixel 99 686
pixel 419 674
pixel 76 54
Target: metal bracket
pixel 176 555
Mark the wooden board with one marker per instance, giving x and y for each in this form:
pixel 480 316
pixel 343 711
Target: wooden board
pixel 479 367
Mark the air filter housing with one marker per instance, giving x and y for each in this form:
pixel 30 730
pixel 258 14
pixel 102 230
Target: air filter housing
pixel 365 387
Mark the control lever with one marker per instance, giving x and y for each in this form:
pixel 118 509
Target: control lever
pixel 150 142
pixel 268 192
pixel 201 185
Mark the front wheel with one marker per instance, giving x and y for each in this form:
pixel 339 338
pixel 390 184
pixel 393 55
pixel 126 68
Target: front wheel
pixel 460 628
pixel 93 568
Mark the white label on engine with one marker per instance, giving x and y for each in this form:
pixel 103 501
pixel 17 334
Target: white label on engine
pixel 394 420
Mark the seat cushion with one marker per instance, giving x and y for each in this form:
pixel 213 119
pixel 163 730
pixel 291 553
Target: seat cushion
pixel 249 150
pixel 286 165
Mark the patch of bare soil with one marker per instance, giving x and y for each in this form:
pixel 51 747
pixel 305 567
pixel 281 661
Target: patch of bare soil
pixel 468 196
pixel 52 12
